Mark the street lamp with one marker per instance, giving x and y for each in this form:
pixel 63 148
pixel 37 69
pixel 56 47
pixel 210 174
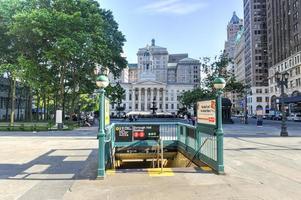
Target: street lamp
pixel 219 84
pixel 102 82
pixel 282 80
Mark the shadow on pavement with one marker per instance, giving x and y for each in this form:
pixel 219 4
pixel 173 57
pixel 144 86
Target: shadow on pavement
pixel 56 164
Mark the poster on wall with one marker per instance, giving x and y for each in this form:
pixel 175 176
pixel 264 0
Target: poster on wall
pixel 107 112
pixel 206 112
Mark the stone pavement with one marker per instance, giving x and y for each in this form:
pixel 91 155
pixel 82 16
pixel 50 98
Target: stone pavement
pixel 63 166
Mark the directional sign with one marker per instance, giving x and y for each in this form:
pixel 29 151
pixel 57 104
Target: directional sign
pixel 124 133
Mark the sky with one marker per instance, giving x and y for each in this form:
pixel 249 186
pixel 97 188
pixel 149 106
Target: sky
pixel 196 27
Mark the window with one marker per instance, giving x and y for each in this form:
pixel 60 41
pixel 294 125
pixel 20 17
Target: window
pixel 267 99
pixel 259 99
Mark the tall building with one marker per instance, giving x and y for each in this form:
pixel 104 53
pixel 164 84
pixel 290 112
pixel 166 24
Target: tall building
pixel 256 59
pixel 239 67
pixel 284 49
pixel 158 78
pixel 233 28
pixel 234 25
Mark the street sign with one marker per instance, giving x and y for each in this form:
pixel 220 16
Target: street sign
pixel 206 112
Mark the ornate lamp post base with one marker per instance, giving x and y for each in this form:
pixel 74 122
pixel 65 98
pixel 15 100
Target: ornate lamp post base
pixel 283 133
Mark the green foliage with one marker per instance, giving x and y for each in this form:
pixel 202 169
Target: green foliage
pixel 212 70
pixel 115 93
pixel 190 98
pixel 218 68
pixel 54 46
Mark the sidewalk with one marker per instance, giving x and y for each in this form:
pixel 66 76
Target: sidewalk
pixel 65 168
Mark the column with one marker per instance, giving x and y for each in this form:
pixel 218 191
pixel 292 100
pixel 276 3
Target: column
pixel 157 98
pixel 145 99
pixel 139 99
pixel 152 95
pixel 164 100
pixel 133 99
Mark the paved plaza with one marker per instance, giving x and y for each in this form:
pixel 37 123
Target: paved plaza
pixel 62 165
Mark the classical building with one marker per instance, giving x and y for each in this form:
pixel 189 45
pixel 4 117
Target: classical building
pixel 256 59
pixel 21 102
pixel 284 50
pixel 158 79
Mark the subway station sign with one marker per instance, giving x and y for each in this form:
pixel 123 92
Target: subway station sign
pixel 206 112
pixel 128 133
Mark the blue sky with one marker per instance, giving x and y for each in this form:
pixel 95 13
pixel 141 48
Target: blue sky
pixel 196 27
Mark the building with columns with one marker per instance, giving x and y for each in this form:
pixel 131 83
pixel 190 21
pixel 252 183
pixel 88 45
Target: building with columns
pixel 158 79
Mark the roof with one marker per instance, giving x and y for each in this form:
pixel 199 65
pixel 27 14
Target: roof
pixel 133 65
pixel 172 65
pixel 188 60
pixel 235 19
pixel 153 49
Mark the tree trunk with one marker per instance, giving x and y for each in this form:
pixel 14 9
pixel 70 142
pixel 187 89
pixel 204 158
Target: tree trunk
pixel 62 90
pixel 8 102
pixel 47 108
pixel 44 107
pixel 13 99
pixel 38 107
pixel 30 104
pixel 19 104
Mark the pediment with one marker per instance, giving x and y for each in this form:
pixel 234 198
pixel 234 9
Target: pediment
pixel 149 83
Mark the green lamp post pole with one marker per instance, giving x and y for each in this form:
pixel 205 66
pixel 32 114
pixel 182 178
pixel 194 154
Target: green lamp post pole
pixel 102 82
pixel 219 85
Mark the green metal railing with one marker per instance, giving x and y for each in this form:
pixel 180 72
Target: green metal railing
pixel 199 143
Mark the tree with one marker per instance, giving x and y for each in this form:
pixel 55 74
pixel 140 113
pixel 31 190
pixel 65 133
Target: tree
pixel 218 68
pixel 189 99
pixel 8 52
pixel 116 94
pixel 213 70
pixel 57 44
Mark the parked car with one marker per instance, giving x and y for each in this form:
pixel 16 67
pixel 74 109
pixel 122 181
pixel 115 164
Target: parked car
pixel 297 117
pixel 291 117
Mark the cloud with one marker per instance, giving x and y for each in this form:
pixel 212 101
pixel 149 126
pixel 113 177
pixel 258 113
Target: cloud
pixel 178 7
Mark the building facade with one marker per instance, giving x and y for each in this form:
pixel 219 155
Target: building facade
pixel 21 102
pixel 239 68
pixel 256 58
pixel 234 26
pixel 158 79
pixel 284 50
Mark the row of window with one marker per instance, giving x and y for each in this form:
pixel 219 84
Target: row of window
pixel 290 85
pixel 5 100
pixel 160 106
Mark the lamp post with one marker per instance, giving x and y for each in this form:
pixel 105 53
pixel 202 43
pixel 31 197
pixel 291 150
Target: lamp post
pixel 282 80
pixel 102 82
pixel 219 85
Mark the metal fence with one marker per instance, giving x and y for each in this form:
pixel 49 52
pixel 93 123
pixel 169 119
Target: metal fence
pixel 191 139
